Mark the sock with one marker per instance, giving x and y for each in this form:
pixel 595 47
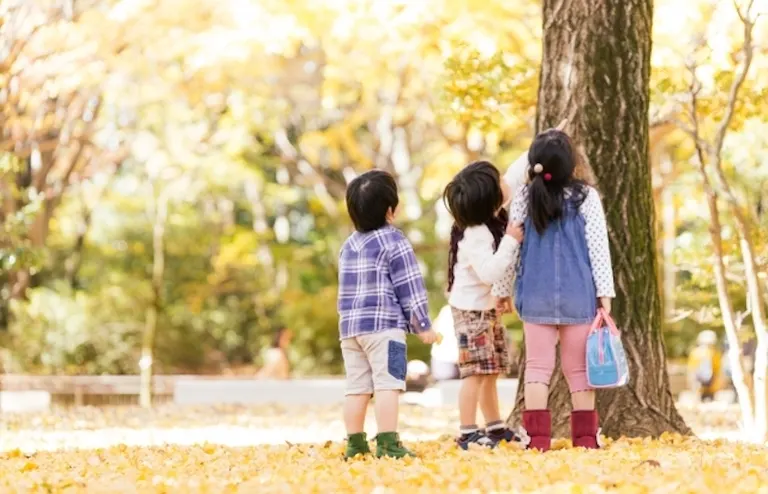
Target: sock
pixel 468 429
pixel 495 425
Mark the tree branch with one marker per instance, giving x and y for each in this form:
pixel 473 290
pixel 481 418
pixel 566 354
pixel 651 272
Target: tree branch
pixel 695 132
pixel 733 94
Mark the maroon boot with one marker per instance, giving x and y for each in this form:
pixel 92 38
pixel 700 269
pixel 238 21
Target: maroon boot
pixel 538 429
pixel 584 430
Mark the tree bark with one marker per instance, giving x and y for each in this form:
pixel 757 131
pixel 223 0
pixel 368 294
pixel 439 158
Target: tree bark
pixel 595 70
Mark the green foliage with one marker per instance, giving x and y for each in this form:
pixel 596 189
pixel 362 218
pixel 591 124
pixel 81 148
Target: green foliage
pixel 251 135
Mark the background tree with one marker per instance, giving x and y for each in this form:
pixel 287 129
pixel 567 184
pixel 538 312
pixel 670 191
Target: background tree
pixel 708 132
pixel 251 235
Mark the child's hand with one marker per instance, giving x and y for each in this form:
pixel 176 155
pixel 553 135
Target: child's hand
pixel 605 303
pixel 504 305
pixel 515 231
pixel 428 337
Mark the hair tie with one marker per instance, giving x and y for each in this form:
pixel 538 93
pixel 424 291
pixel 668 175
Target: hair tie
pixel 538 168
pixel 547 177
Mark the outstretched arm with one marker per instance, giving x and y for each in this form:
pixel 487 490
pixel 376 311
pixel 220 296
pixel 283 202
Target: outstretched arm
pixel 487 264
pixel 502 288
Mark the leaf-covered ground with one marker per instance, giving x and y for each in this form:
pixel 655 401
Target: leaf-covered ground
pixel 279 449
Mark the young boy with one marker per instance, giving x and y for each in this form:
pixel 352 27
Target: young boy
pixel 381 297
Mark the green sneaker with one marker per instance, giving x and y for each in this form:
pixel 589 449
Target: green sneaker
pixel 357 444
pixel 388 444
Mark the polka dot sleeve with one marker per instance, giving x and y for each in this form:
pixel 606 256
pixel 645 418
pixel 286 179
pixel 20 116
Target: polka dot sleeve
pixel 518 210
pixel 596 233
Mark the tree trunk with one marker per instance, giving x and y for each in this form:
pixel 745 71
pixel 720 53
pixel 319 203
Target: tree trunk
pixel 595 70
pixel 755 294
pixel 726 308
pixel 75 259
pixel 745 225
pixel 753 420
pixel 160 218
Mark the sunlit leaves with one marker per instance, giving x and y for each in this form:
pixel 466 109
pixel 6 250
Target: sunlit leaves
pixel 128 454
pixel 487 91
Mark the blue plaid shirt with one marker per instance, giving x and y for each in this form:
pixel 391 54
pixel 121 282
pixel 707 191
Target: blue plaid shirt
pixel 380 285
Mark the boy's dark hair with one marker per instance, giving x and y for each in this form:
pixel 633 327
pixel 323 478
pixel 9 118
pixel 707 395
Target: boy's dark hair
pixel 369 198
pixel 554 151
pixel 473 198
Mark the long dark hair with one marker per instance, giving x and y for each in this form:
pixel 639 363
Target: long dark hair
pixel 553 160
pixel 474 197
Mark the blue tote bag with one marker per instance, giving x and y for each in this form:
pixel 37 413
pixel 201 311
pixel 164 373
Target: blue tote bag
pixel 606 361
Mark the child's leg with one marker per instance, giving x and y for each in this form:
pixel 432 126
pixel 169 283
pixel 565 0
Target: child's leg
pixel 573 353
pixel 540 343
pixel 477 361
pixel 386 352
pixel 387 408
pixel 469 395
pixel 489 394
pixel 584 419
pixel 355 407
pixel 489 399
pixel 496 428
pixel 359 385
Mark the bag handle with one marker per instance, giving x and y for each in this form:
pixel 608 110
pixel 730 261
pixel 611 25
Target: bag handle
pixel 597 322
pixel 609 321
pixel 603 315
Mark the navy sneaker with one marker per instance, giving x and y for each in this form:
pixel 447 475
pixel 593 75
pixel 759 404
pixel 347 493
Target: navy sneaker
pixel 477 437
pixel 503 434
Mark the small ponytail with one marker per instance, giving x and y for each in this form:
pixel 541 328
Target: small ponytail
pixel 544 203
pixel 551 179
pixel 498 225
pixel 457 233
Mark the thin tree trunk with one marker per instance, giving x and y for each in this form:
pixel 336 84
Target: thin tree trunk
pixel 754 291
pixel 726 308
pixel 75 259
pixel 744 227
pixel 669 235
pixel 253 192
pixel 160 218
pixel 595 70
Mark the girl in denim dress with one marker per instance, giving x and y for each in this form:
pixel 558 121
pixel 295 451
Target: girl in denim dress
pixel 561 275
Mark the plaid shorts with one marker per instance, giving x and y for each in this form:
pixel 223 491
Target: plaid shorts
pixel 482 341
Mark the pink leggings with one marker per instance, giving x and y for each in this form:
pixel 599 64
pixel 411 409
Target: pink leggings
pixel 540 343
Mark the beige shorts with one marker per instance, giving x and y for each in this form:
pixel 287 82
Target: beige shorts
pixel 375 362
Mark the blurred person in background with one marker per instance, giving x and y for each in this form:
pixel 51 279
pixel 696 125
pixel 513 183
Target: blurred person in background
pixel 445 355
pixel 276 364
pixel 416 376
pixel 705 366
pixel 747 362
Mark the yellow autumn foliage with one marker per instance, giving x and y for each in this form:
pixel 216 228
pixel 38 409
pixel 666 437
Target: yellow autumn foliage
pixel 671 464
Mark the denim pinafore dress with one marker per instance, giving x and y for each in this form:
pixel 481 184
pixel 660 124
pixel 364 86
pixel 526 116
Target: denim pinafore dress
pixel 554 283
